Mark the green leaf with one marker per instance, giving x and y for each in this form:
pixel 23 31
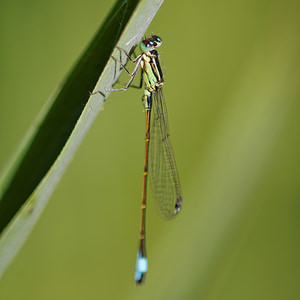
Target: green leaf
pixel 59 129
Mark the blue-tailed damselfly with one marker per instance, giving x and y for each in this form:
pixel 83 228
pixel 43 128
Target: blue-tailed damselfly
pixel 159 158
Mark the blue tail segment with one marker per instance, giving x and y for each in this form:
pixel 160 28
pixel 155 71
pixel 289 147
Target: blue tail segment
pixel 141 268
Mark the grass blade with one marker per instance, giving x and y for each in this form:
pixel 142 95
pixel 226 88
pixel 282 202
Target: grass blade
pixel 63 123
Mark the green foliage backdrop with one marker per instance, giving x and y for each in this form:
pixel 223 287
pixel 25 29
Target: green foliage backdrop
pixel 232 88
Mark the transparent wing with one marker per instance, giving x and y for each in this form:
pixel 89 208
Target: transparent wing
pixel 162 167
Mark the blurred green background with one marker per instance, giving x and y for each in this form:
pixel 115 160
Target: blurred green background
pixel 232 88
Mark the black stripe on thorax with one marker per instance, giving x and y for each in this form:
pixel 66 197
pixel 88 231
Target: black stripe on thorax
pixel 155 65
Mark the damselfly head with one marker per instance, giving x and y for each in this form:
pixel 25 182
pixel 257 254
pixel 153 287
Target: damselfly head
pixel 149 44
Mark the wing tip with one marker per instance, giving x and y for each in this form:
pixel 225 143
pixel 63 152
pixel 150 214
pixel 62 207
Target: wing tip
pixel 178 205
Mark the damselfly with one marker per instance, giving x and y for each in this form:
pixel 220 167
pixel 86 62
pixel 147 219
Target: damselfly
pixel 159 157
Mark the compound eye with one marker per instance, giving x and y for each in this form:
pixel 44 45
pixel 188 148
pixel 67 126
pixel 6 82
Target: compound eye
pixel 157 40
